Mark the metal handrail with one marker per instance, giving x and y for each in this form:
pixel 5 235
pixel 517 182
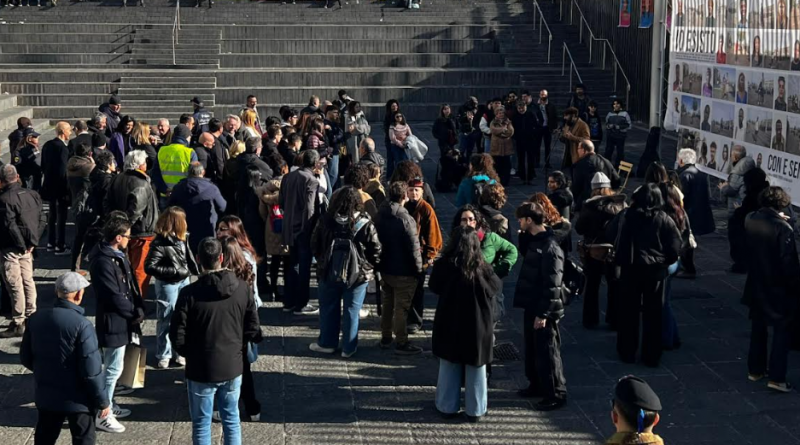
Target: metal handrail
pixel 606 47
pixel 176 26
pixel 542 21
pixel 572 67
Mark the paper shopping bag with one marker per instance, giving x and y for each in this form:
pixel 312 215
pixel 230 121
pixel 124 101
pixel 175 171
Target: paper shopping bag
pixel 134 368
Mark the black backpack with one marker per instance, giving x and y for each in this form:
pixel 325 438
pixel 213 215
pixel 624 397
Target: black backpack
pixel 342 261
pixel 477 191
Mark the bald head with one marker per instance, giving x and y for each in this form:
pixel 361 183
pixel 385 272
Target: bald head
pixel 63 130
pixel 206 140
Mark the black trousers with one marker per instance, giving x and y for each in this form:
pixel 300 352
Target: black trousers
pixel 687 261
pixel 415 313
pixel 82 224
pixel 502 164
pixel 615 143
pixel 57 222
pixel 248 402
pixel 546 136
pixel 274 270
pixel 543 366
pixel 779 354
pixel 642 294
pixel 595 271
pixel 527 160
pixel 48 427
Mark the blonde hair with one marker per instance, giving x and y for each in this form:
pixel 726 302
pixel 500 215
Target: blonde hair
pixel 236 149
pixel 172 222
pixel 249 118
pixel 141 133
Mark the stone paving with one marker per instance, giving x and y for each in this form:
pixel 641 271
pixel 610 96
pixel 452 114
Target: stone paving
pixel 379 398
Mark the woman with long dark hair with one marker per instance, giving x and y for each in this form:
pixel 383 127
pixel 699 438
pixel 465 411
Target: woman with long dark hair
pixel 345 243
pixel 559 194
pixel 171 263
pixel 498 252
pixel 445 129
pixel 647 243
pixel 121 142
pixel 392 108
pixel 231 225
pixel 463 327
pixel 234 260
pixel 399 131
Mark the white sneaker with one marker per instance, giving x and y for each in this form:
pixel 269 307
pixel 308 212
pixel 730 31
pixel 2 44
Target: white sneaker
pixel 163 363
pixel 363 313
pixel 109 424
pixel 255 418
pixel 317 348
pixel 120 413
pixel 346 355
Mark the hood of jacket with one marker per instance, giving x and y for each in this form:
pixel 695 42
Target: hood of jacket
pixel 220 284
pixel 490 211
pixel 483 178
pixel 743 166
pixel 604 201
pixel 79 166
pixel 372 157
pixel 106 109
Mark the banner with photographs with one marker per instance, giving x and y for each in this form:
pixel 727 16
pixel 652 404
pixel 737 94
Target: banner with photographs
pixel 735 81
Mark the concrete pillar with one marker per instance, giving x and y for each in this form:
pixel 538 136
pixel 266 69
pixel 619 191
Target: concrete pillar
pixel 657 61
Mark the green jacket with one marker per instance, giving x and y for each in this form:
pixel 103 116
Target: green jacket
pixel 635 439
pixel 498 252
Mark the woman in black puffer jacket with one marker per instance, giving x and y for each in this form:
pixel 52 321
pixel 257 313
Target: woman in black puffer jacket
pixel 171 263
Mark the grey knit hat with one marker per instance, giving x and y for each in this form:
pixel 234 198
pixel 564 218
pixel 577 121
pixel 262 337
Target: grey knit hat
pixel 600 180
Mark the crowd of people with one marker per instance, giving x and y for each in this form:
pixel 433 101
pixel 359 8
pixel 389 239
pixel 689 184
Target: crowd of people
pixel 308 190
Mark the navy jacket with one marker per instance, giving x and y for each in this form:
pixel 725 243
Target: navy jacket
pixel 119 301
pixel 203 202
pixel 61 349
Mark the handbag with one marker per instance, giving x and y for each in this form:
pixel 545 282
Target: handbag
pixel 573 281
pixel 415 148
pixel 133 371
pixel 598 252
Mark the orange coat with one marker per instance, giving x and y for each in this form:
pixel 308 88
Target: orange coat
pixel 571 138
pixel 430 235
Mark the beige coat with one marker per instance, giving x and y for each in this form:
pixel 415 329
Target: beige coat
pixel 269 197
pixel 502 144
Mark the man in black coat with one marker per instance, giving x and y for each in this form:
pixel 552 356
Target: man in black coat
pixel 584 170
pixel 696 202
pixel 82 136
pixel 771 289
pixel 21 225
pixel 213 318
pixel 60 347
pixel 526 125
pixel 120 308
pixel 55 189
pixel 202 202
pixel 298 197
pixel 218 153
pixel 253 172
pixel 539 293
pixel 546 112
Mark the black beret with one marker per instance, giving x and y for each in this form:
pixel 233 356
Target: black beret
pixel 636 392
pixel 113 100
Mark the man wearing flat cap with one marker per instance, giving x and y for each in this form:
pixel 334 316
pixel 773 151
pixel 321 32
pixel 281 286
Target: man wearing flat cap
pixel 60 347
pixel 634 411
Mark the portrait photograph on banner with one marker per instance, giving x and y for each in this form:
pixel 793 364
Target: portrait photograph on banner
pixel 646 14
pixel 624 13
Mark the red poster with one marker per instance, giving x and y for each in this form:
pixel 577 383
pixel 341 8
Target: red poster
pixel 624 13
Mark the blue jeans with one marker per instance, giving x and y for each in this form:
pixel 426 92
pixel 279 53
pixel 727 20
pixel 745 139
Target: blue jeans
pixel 166 297
pixel 201 407
pixel 113 362
pixel 333 172
pixel 669 326
pixel 298 274
pixel 487 144
pixel 448 388
pixel 331 318
pixel 467 144
pixel 395 156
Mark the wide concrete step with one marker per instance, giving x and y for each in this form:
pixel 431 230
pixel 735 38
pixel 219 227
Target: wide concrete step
pixel 59 58
pixel 350 46
pixel 321 31
pixel 9 116
pixel 7 101
pixel 161 81
pixel 429 60
pixel 64 48
pixel 186 45
pixel 368 95
pixel 166 87
pixel 189 91
pixel 194 61
pixel 40 125
pixel 57 88
pixel 55 37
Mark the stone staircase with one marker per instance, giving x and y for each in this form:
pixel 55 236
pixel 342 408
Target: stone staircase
pixel 154 97
pixel 196 47
pixel 283 54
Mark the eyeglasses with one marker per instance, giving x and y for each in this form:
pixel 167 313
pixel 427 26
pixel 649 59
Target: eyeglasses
pixel 468 219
